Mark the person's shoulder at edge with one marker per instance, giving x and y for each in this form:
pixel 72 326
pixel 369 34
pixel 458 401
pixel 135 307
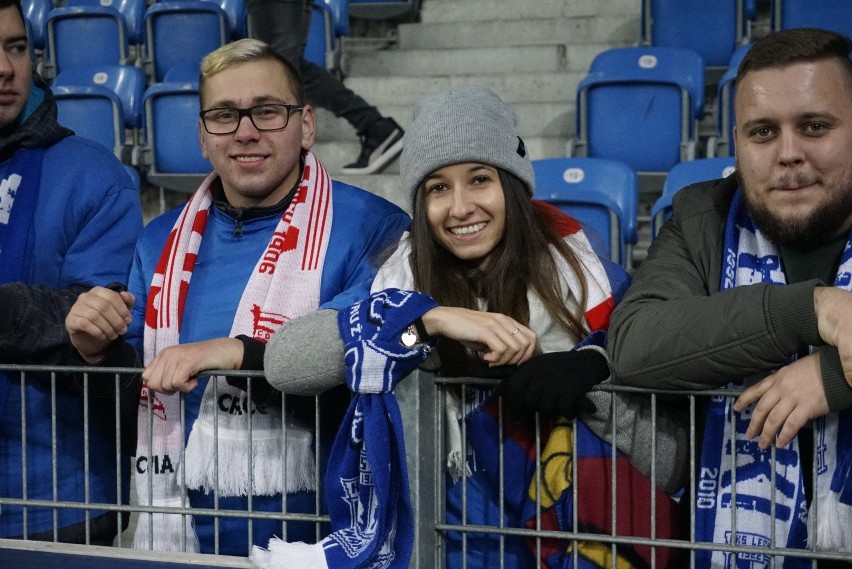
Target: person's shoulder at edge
pixel 701 197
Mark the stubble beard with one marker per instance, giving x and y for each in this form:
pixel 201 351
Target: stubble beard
pixel 821 226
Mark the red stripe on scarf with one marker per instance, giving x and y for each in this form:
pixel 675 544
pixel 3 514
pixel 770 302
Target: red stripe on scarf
pixel 310 258
pixel 561 222
pixel 598 316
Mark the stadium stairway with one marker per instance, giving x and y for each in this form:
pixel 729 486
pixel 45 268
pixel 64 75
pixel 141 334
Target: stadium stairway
pixel 532 54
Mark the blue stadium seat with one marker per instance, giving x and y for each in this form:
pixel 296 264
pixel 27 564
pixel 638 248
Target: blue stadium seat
pixel 682 175
pixel 236 11
pixel 720 144
pixel 323 45
pixel 640 106
pixel 201 26
pixel 601 194
pixel 183 72
pixel 673 23
pixel 171 155
pixel 92 112
pixel 80 36
pixel 835 15
pixel 87 97
pixel 35 12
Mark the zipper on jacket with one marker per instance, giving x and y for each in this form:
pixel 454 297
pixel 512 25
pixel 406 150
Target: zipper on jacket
pixel 238 229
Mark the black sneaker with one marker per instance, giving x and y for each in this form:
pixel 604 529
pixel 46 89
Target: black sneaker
pixel 380 144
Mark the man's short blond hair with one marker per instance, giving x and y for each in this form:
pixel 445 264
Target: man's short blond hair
pixel 245 51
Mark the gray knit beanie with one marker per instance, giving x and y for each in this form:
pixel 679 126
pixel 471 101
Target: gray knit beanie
pixel 464 124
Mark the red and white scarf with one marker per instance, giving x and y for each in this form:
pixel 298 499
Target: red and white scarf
pixel 285 284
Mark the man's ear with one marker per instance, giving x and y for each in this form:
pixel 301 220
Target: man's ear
pixel 309 127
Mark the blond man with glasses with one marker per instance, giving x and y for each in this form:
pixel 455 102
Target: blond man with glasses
pixel 267 237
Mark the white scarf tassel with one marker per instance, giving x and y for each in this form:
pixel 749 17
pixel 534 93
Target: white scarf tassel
pixel 233 459
pixel 168 532
pixel 283 555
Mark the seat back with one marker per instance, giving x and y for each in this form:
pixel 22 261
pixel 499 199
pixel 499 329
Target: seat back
pixel 321 45
pixel 126 81
pixel 133 12
pixel 601 194
pixel 236 12
pixel 835 15
pixel 201 26
pixel 640 106
pixel 685 174
pixel 173 156
pixel 725 92
pixel 92 112
pixel 81 36
pixel 673 23
pixel 35 12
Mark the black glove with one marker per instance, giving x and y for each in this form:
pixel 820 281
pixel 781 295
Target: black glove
pixel 554 384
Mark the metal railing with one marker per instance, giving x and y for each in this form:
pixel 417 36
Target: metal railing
pixel 661 531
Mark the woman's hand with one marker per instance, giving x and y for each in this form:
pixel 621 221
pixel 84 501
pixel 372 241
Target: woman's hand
pixel 500 339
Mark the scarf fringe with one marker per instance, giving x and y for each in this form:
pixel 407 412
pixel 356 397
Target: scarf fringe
pixel 233 460
pixel 283 555
pixel 168 532
pixel 831 533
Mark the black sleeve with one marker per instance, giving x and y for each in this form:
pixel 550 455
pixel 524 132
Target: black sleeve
pixel 262 393
pixel 32 323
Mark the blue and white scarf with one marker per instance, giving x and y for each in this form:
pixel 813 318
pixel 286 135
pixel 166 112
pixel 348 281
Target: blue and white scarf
pixel 751 258
pixel 367 480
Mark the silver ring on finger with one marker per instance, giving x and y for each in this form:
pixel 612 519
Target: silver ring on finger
pixel 515 331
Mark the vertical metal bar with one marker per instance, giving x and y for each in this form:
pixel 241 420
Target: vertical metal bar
pixel 317 473
pixel 439 503
pixel 24 473
pixel 184 495
pixel 216 420
pixel 733 423
pixel 692 478
pixel 250 492
pixel 653 478
pixel 501 434
pixel 54 453
pixel 118 478
pixel 86 458
pixel 464 477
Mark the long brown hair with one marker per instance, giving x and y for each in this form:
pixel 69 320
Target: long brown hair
pixel 520 262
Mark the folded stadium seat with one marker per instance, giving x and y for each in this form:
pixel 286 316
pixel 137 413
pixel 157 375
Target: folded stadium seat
pixel 170 155
pixel 601 194
pixel 835 15
pixel 35 12
pixel 329 22
pixel 683 175
pixel 236 12
pixel 721 144
pixel 673 23
pixel 83 35
pixel 640 106
pixel 182 31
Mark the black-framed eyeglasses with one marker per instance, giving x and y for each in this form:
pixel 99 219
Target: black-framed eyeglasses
pixel 226 120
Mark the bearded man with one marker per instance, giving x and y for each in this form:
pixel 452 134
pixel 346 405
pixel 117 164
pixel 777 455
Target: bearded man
pixel 749 283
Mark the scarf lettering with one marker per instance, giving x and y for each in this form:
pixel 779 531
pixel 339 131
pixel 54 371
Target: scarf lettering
pixel 8 189
pixel 161 465
pixel 280 243
pixel 239 405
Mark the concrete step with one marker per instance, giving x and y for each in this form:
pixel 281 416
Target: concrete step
pixel 610 30
pixel 554 87
pixel 450 11
pixel 477 60
pixel 384 185
pixel 534 119
pixel 335 155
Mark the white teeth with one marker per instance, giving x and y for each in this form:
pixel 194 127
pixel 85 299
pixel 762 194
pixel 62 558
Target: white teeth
pixel 468 229
pixel 248 158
